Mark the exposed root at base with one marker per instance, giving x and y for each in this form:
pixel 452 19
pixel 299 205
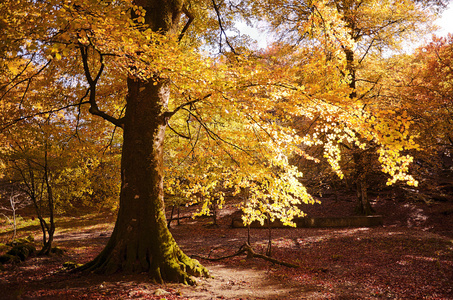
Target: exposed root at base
pixel 247 249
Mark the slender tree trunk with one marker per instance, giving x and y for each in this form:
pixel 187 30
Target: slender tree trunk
pixel 36 193
pixel 171 217
pixel 363 204
pixel 15 226
pixel 12 202
pixel 214 213
pixel 269 238
pixel 47 247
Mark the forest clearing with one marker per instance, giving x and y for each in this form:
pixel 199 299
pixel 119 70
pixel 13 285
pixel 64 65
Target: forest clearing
pixel 409 257
pixel 314 163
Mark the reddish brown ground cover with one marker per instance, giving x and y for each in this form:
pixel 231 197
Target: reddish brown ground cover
pixel 410 257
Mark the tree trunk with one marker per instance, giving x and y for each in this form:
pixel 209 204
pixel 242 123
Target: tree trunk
pixel 363 204
pixel 141 241
pixel 47 245
pixel 352 72
pixel 363 207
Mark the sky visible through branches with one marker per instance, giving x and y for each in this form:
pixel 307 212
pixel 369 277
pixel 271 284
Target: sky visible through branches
pixel 445 23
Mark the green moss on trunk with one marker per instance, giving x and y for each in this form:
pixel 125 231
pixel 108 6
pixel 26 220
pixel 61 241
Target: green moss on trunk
pixel 141 241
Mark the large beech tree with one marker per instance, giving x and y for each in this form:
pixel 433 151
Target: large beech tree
pixel 68 39
pixel 155 67
pixel 141 241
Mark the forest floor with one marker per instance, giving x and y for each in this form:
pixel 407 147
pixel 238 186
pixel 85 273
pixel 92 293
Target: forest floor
pixel 409 257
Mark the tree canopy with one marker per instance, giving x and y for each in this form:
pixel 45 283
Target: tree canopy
pixel 202 111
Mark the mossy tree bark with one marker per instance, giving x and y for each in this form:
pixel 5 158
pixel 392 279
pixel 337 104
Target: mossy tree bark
pixel 141 241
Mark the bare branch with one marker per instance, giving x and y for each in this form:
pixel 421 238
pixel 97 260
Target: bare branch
pixel 27 79
pixel 222 30
pixel 11 123
pixel 177 133
pixel 169 114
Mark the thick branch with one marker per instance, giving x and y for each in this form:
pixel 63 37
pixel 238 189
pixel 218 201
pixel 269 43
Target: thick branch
pixel 189 21
pixel 94 109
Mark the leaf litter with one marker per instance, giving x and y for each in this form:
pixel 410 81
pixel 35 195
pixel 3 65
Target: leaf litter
pixel 388 262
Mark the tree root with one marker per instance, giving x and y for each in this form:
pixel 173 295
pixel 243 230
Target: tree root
pixel 175 267
pixel 246 248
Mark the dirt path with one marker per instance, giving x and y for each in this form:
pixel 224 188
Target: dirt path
pixel 234 283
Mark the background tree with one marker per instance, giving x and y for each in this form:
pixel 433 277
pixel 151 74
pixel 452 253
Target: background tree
pixel 42 151
pixel 364 32
pixel 50 172
pixel 16 201
pixel 422 83
pixel 428 79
